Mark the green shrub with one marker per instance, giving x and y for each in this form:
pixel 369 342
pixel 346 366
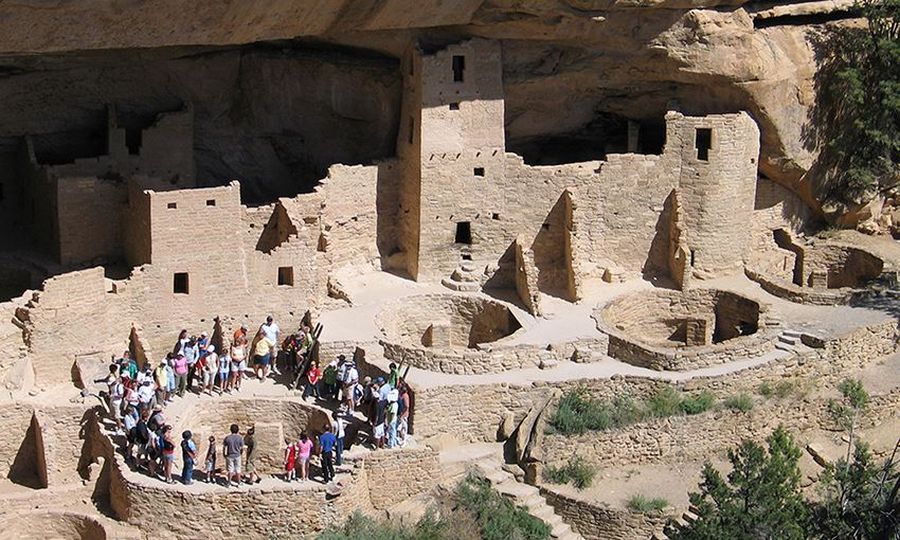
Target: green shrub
pixel 664 402
pixel 781 389
pixel 576 470
pixel 625 411
pixel 570 417
pixel 740 402
pixel 497 517
pixel 361 527
pixel 698 403
pixel 639 503
pixel 784 389
pixel 473 511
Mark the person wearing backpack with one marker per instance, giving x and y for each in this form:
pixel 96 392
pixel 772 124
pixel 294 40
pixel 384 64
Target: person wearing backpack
pixel 188 455
pixel 142 439
pixel 403 411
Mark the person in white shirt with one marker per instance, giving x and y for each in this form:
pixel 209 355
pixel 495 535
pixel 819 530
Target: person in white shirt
pixel 146 394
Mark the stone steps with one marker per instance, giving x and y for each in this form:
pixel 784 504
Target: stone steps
pixel 790 341
pixel 461 286
pixel 526 496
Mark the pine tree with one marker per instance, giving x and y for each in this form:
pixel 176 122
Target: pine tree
pixel 759 500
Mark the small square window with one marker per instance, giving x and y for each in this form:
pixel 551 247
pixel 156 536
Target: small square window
pixel 286 275
pixel 172 206
pixel 454 106
pixel 463 233
pixel 478 171
pixel 181 283
pixel 495 215
pixel 545 226
pixel 458 67
pixel 210 202
pixel 703 143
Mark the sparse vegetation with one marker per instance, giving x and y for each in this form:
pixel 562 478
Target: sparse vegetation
pixel 761 498
pixel 698 403
pixel 576 470
pixel 497 517
pixel 644 505
pixel 579 412
pixel 780 390
pixel 739 402
pixel 664 402
pixel 473 512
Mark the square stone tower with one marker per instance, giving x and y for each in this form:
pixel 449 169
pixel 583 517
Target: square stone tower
pixel 451 143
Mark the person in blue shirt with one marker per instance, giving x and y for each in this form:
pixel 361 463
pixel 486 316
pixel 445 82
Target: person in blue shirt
pixel 188 455
pixel 327 442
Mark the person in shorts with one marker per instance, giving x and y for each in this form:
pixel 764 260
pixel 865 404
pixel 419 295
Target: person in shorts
pixel 232 448
pixel 304 450
pixel 252 453
pixel 262 356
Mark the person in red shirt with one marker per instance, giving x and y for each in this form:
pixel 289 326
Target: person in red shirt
pixel 313 376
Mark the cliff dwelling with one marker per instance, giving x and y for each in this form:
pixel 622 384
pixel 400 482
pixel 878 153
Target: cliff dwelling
pixel 265 271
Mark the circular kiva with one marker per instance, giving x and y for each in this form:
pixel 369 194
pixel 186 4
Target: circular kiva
pixel 672 330
pixel 820 274
pixel 44 525
pixel 452 333
pixel 273 420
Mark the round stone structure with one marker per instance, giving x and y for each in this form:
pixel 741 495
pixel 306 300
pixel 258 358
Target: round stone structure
pixel 56 525
pixel 457 333
pixel 669 330
pixel 274 420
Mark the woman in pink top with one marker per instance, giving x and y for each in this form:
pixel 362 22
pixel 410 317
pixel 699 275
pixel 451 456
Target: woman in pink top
pixel 304 450
pixel 181 370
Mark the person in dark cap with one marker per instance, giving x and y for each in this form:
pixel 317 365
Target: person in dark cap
pixel 188 455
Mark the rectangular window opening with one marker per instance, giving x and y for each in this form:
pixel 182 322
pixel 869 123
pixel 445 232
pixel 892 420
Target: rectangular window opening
pixel 478 171
pixel 463 232
pixel 545 226
pixel 454 106
pixel 495 216
pixel 703 143
pixel 412 126
pixel 459 66
pixel 467 256
pixel 172 206
pixel 133 140
pixel 181 283
pixel 210 202
pixel 286 275
pixel 693 256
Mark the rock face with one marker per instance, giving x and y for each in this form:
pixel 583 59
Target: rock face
pixel 575 73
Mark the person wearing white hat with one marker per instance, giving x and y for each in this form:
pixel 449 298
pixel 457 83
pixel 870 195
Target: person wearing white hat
pixel 210 366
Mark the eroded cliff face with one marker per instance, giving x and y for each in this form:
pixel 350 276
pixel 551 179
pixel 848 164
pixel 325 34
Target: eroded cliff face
pixel 574 71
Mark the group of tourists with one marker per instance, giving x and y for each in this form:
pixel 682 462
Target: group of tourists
pixel 385 402
pixel 137 396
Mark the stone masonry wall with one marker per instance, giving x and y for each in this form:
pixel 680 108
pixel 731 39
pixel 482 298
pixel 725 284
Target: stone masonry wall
pixel 717 193
pixel 396 475
pixel 596 522
pixel 248 513
pixel 675 438
pixel 59 318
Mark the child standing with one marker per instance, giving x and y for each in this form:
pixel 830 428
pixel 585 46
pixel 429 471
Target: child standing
pixel 211 461
pixel 290 461
pixel 304 450
pixel 224 372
